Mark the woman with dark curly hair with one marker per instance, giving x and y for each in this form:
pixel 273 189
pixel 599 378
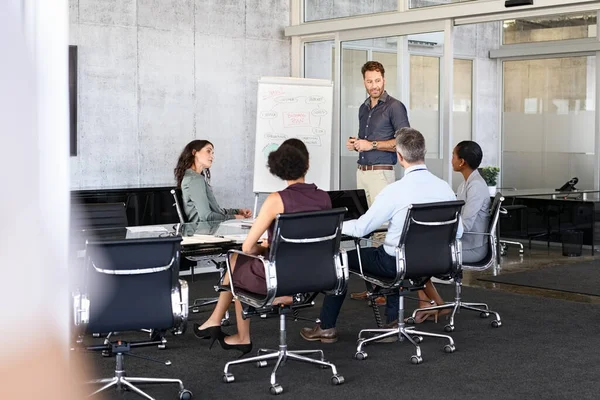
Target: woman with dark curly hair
pixel 290 163
pixel 192 174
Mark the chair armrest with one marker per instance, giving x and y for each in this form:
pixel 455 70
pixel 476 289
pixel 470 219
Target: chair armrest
pixel 270 276
pixel 342 273
pixel 400 265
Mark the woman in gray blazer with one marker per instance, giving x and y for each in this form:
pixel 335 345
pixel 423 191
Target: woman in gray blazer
pixel 192 174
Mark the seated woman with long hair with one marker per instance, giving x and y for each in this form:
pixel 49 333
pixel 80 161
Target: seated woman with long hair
pixel 290 163
pixel 466 158
pixel 192 174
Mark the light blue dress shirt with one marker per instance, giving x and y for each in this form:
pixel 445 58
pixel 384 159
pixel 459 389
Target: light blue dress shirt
pixel 418 186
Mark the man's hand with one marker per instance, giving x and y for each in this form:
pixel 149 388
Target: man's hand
pixel 350 144
pixel 363 145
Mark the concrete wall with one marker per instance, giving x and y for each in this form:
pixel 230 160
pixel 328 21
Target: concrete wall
pixel 155 74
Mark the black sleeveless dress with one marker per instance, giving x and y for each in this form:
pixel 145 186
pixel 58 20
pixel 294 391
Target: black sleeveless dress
pixel 249 273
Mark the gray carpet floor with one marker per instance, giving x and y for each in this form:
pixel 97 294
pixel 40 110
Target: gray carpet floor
pixel 546 349
pixel 581 278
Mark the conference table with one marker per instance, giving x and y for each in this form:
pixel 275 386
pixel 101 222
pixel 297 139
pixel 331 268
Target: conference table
pixel 198 239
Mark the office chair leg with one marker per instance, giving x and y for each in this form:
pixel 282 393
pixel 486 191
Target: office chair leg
pixel 319 352
pixel 111 382
pixel 507 242
pixel 135 389
pixel 282 355
pixel 403 332
pixel 298 357
pixel 120 380
pixel 482 308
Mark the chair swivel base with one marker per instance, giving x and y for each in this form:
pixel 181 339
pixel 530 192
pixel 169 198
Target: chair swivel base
pixel 195 306
pixel 457 305
pixel 282 355
pixel 121 381
pixel 402 332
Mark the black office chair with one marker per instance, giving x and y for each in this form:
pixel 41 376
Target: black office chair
pixel 427 247
pixel 114 296
pixel 490 260
pixel 191 260
pixel 305 256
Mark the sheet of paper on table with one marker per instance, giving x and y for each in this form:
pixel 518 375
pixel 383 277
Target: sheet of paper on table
pixel 202 239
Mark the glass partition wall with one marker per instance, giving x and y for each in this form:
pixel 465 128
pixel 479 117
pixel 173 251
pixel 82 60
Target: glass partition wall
pixel 549 122
pixel 423 76
pixel 523 84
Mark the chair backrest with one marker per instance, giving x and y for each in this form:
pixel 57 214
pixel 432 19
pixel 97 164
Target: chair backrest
pixel 428 239
pixel 178 203
pixel 129 284
pixel 492 238
pixel 98 215
pixel 305 249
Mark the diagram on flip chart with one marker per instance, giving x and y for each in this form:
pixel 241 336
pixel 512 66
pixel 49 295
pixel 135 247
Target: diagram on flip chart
pixel 293 108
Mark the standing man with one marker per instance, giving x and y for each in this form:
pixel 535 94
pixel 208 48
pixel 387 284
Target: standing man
pixel 380 116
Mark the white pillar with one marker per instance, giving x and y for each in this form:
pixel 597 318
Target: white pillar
pixel 35 177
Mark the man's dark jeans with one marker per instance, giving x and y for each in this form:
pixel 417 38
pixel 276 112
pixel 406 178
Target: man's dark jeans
pixel 374 261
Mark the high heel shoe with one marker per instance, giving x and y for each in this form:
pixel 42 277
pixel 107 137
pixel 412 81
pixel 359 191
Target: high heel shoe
pixel 212 332
pixel 245 348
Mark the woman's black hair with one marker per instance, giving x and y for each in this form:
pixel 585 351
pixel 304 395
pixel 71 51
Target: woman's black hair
pixel 471 152
pixel 186 159
pixel 290 161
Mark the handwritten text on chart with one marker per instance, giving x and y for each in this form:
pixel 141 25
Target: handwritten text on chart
pixel 310 140
pixel 275 136
pixel 318 112
pixel 268 114
pixel 296 119
pixel 315 100
pixel 273 93
pixel 286 99
pixel 318 131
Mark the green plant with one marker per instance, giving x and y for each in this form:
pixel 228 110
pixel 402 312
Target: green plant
pixel 489 175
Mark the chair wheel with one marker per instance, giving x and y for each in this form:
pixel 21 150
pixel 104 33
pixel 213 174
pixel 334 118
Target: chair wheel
pixel 106 353
pixel 484 314
pixel 225 322
pixel 449 328
pixel 228 378
pixel 417 339
pixel 195 310
pixel 360 355
pixel 337 380
pixel 449 348
pixel 496 324
pixel 162 346
pixel 416 359
pixel 261 364
pixel 276 389
pixel 185 395
pixel 410 321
